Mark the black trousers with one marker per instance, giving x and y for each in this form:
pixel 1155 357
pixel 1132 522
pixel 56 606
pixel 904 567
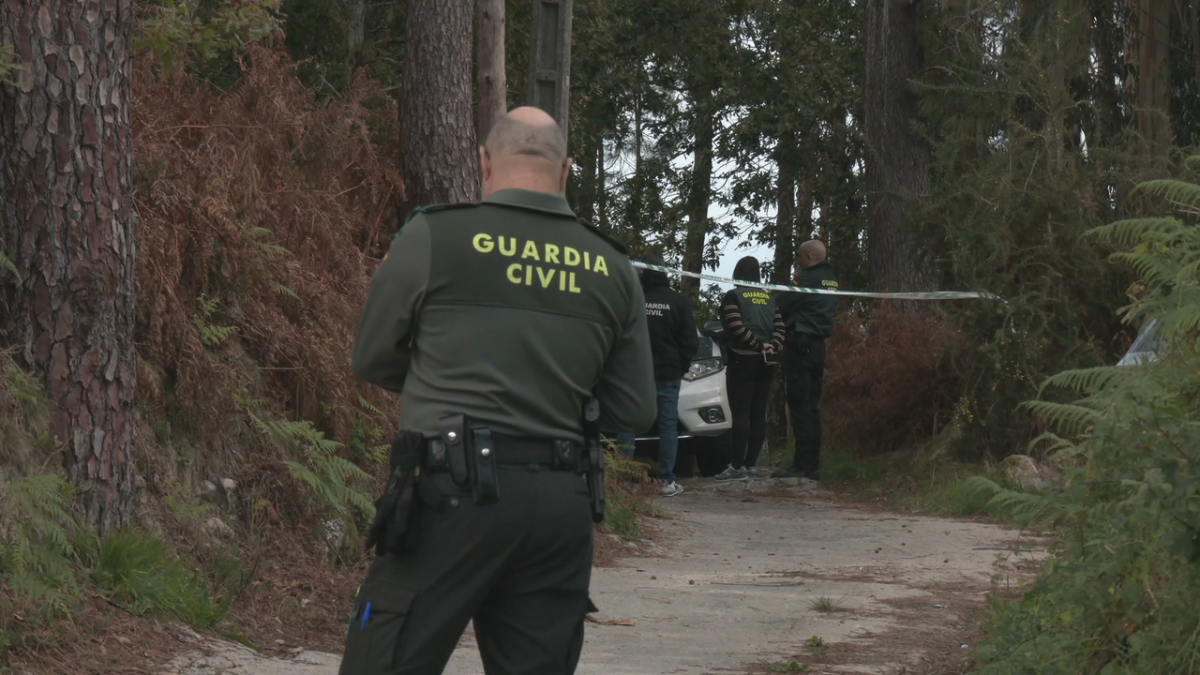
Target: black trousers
pixel 749 382
pixel 519 567
pixel 804 373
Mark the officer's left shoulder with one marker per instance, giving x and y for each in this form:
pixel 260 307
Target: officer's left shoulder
pixel 620 248
pixel 439 208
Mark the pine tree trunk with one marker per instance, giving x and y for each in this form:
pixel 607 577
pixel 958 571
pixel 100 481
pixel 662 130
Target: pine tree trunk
pixel 492 84
pixel 1107 42
pixel 355 18
pixel 439 157
pixel 898 159
pixel 1153 74
pixel 639 177
pixel 785 220
pixel 699 193
pixel 601 187
pixel 68 225
pixel 803 221
pixel 585 196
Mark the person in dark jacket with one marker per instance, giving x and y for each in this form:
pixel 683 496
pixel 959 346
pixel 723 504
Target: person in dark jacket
pixel 809 319
pixel 754 334
pixel 673 344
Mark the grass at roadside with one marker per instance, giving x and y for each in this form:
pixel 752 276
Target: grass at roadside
pixel 629 488
pixel 936 486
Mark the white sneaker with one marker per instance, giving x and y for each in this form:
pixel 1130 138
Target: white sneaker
pixel 731 473
pixel 670 489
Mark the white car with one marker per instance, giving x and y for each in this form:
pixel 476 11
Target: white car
pixel 1146 348
pixel 704 416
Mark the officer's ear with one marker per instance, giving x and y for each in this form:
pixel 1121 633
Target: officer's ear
pixel 485 163
pixel 566 175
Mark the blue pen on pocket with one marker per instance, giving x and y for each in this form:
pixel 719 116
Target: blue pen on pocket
pixel 366 617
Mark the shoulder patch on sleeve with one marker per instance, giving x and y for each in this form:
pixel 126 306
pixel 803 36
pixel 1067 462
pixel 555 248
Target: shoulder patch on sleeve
pixel 603 235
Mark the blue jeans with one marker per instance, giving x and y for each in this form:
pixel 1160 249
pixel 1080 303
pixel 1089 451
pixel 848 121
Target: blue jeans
pixel 668 430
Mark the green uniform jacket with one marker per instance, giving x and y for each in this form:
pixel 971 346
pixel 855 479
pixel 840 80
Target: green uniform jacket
pixel 511 312
pixel 809 313
pixel 758 311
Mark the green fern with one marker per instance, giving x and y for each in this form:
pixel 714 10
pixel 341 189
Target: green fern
pixel 366 405
pixel 1071 419
pixel 256 234
pixel 1016 505
pixel 36 546
pixel 8 266
pixel 1181 194
pixel 1084 380
pixel 330 477
pixel 1130 550
pixel 1132 231
pixel 211 335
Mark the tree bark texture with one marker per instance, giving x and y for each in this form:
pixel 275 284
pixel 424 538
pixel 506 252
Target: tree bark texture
pixel 440 162
pixel 355 17
pixel 785 219
pixel 699 193
pixel 803 222
pixel 68 225
pixel 1153 74
pixel 601 187
pixel 585 196
pixel 898 159
pixel 492 85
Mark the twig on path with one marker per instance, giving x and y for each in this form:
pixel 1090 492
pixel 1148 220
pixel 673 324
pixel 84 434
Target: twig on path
pixel 611 622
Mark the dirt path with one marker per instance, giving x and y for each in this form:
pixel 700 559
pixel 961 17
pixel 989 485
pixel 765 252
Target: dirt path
pixel 734 584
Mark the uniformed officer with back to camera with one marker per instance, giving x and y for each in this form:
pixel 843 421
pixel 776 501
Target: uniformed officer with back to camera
pixel 514 333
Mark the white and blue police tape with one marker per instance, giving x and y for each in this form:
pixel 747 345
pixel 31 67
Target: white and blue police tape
pixel 928 295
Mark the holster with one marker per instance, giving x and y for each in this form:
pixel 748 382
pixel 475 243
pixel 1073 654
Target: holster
pixel 394 528
pixel 593 459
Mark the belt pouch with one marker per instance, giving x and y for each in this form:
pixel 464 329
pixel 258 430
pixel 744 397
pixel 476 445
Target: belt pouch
pixel 483 453
pixel 453 429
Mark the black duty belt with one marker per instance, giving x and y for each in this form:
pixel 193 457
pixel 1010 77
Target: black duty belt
pixel 525 451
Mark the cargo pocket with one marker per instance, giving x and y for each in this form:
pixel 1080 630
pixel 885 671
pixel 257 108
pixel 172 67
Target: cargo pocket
pixel 374 632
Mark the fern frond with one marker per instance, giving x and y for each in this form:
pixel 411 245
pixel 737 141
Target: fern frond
pixel 362 502
pixel 1072 419
pixel 366 405
pixel 1154 269
pixel 7 265
pixel 1084 380
pixel 272 250
pixel 262 425
pixel 36 549
pixel 1131 231
pixel 1180 193
pixel 1181 323
pixel 284 290
pixel 1052 443
pixel 1022 506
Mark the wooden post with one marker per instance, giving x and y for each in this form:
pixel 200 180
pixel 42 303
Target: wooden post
pixel 550 59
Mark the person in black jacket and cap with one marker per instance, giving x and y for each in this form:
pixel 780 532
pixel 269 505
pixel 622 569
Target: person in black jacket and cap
pixel 673 343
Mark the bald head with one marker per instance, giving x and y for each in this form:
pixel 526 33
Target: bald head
pixel 525 149
pixel 812 253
